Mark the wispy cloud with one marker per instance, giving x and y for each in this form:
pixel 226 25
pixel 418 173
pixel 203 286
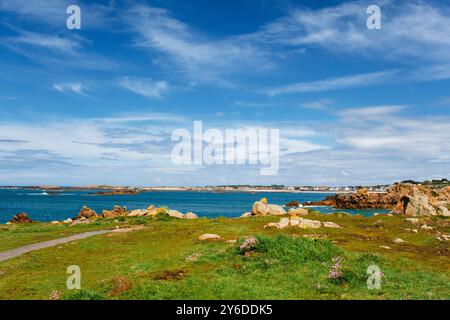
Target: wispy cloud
pixel 145 86
pixel 54 49
pixel 196 55
pixel 370 113
pixel 409 29
pixel 352 81
pixel 72 87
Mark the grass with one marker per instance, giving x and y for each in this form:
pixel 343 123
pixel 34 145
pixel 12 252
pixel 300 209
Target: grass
pixel 152 263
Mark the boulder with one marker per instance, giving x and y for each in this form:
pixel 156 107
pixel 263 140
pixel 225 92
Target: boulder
pixel 209 236
pixel 260 209
pixel 246 215
pixel 442 236
pixel 175 214
pixel 309 224
pixel 399 241
pixel 86 213
pixel 299 211
pixel 137 213
pixel 331 225
pixel 284 223
pixel 443 211
pixel 190 216
pixel 152 211
pixel 294 221
pixel 21 218
pixel 68 221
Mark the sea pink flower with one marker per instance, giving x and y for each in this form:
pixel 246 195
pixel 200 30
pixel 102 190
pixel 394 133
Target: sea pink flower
pixel 335 271
pixel 248 244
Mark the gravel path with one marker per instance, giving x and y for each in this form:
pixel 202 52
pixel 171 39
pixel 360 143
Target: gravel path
pixel 6 255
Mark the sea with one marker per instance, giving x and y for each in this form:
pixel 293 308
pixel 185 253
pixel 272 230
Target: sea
pixel 46 206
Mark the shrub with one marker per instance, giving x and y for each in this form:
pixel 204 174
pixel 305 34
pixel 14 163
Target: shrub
pixel 289 250
pixel 163 214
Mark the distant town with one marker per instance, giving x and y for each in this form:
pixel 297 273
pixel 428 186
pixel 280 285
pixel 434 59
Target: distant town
pixel 241 188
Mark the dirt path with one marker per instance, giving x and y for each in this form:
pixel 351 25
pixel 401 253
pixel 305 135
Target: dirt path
pixel 9 254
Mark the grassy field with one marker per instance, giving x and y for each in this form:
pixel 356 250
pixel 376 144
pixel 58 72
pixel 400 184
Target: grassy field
pixel 165 260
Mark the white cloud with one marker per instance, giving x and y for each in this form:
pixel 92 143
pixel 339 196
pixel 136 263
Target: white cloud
pixel 73 87
pixel 145 86
pixel 409 29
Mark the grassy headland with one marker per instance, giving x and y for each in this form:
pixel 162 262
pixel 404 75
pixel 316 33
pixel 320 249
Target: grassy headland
pixel 165 260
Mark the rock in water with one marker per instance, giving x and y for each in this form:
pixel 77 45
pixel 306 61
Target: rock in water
pixel 86 213
pixel 21 218
pixel 293 204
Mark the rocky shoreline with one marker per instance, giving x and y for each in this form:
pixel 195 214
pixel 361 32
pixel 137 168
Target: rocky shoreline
pixel 408 200
pixel 401 199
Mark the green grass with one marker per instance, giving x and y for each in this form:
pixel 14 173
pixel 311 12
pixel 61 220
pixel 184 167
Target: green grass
pixel 151 263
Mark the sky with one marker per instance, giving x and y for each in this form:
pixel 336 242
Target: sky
pixel 98 105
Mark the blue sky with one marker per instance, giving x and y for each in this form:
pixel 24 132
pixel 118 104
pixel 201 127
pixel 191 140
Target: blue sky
pixel 98 105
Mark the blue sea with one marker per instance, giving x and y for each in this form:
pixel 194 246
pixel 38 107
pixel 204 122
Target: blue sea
pixel 41 206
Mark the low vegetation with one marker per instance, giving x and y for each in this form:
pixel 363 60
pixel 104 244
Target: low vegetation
pixel 165 260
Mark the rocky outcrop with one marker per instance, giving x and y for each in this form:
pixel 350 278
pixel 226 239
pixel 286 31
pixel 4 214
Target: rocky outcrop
pixel 422 201
pixel 302 223
pixel 117 211
pixel 293 204
pixel 403 199
pixel 117 192
pixel 150 211
pixel 86 213
pixel 21 218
